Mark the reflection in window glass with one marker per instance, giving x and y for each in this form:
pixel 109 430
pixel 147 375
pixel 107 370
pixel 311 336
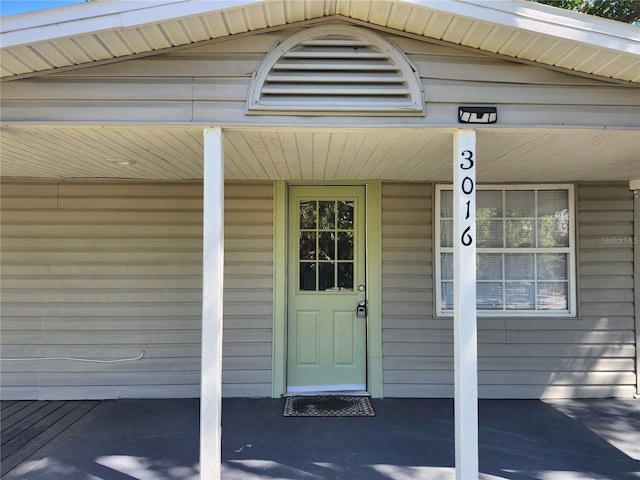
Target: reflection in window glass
pixel 489 232
pixel 552 296
pixel 326 243
pixel 446 233
pixel 307 245
pixel 345 246
pixel 489 295
pixel 524 253
pixel 553 231
pixel 308 275
pixel 446 205
pixel 345 276
pixel 345 215
pixel 553 218
pixel 489 222
pixel 519 296
pixel 327 219
pixel 308 215
pixel 489 202
pixel 447 295
pixel 552 203
pixel 519 266
pixel 520 233
pixel 552 266
pixel 316 276
pixel 489 266
pixel 520 203
pixel 446 267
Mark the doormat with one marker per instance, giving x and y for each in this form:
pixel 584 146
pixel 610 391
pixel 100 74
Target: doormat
pixel 328 406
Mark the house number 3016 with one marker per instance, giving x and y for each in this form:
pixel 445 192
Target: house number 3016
pixel 467 187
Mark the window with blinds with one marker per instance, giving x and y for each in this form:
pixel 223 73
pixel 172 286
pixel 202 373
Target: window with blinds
pixel 336 69
pixel 525 250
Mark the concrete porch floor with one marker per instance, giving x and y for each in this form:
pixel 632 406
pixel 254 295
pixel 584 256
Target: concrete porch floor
pixel 407 439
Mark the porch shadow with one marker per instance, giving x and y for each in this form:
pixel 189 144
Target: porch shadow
pixel 121 440
pixel 408 439
pixel 414 439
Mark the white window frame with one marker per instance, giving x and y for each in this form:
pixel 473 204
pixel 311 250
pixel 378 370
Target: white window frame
pixel 569 250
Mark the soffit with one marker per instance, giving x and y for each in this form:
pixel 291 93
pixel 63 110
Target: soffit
pixel 319 154
pixel 104 31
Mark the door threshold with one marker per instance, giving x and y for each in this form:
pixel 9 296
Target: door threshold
pixel 350 393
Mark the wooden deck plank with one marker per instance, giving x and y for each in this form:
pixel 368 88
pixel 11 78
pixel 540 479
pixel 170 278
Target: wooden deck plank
pixel 10 407
pixel 4 404
pixel 28 427
pixel 44 431
pixel 21 418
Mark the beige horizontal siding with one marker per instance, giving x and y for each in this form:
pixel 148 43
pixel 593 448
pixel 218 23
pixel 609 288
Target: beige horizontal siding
pixel 210 83
pixel 248 308
pixel 409 331
pixel 592 355
pixel 106 270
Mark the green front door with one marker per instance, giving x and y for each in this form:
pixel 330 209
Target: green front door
pixel 326 335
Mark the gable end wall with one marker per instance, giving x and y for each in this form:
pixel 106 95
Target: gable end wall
pixel 210 83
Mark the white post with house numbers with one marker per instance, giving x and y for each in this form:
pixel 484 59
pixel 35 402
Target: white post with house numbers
pixel 464 305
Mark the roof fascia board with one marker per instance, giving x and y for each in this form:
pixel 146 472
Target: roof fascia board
pixel 54 31
pixel 150 53
pixel 555 22
pixel 519 14
pixel 569 18
pixel 182 9
pixel 84 19
pixel 475 50
pixel 69 13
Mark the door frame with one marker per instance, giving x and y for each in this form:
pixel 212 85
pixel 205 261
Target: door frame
pixel 373 258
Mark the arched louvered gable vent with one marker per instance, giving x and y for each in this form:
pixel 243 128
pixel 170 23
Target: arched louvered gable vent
pixel 336 70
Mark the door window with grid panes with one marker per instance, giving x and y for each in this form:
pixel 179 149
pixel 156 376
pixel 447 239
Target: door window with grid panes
pixel 326 245
pixel 524 250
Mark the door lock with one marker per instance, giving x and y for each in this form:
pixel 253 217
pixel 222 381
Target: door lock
pixel 361 309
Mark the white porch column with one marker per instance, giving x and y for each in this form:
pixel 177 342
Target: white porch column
pixel 464 305
pixel 212 283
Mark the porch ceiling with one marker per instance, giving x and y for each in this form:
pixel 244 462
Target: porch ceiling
pixel 400 154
